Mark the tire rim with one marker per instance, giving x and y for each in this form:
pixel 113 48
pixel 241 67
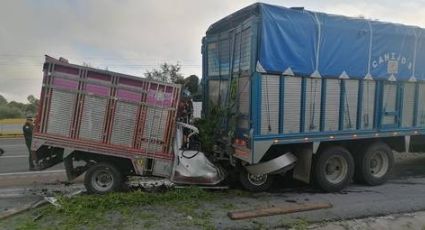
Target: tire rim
pixel 336 169
pixel 257 180
pixel 102 180
pixel 378 164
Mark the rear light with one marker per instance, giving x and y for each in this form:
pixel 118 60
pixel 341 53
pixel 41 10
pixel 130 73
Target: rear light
pixel 240 142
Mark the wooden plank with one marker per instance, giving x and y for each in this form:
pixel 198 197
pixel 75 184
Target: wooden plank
pixel 285 209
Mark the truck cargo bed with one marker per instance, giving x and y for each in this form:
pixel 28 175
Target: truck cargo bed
pixel 97 111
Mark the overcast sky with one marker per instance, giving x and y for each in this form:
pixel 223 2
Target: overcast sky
pixel 133 36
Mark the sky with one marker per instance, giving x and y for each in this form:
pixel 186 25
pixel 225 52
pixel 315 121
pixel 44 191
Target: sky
pixel 135 36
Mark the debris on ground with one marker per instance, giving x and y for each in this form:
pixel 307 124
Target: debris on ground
pixel 14 211
pixel 149 184
pixel 46 194
pixel 53 201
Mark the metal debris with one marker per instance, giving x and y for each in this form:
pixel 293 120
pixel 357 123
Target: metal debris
pixel 53 201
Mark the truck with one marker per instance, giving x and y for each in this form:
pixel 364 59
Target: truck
pixel 326 99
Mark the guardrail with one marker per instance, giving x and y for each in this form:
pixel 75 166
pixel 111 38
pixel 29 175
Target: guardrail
pixel 11 127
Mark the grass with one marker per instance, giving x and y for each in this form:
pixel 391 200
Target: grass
pixel 299 224
pixel 17 121
pixel 133 210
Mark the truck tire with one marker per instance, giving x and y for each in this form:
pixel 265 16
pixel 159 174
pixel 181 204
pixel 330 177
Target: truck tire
pixel 103 178
pixel 255 183
pixel 1 151
pixel 333 169
pixel 374 164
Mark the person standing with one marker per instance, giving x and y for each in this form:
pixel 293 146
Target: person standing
pixel 27 129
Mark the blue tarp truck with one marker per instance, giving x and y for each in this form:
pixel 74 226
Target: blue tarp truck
pixel 322 97
pixel 325 97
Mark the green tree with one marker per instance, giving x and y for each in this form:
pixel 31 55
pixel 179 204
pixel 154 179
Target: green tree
pixel 192 83
pixel 10 112
pixel 17 105
pixel 31 108
pixel 15 109
pixel 166 73
pixel 3 100
pixel 32 100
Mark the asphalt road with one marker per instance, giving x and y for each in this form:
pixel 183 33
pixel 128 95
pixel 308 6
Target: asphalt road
pixel 15 158
pixel 14 167
pixel 10 128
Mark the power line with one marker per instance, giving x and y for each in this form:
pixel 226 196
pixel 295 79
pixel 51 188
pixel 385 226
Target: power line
pixel 102 57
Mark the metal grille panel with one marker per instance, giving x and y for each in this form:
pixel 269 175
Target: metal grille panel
pixel 420 120
pixel 236 52
pixel 270 104
pixel 246 49
pixel 218 91
pixel 61 113
pixel 213 90
pixel 350 104
pixel 224 88
pixel 389 103
pixel 154 129
pixel 244 89
pixel 155 123
pixel 224 48
pixel 124 124
pixel 408 104
pixel 368 104
pixel 292 105
pixel 333 92
pixel 93 118
pixel 312 104
pixel 213 64
pixel 243 96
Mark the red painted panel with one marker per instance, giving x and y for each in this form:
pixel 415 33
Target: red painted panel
pixel 66 69
pixel 64 83
pixel 131 82
pixel 98 76
pixel 129 96
pixel 98 90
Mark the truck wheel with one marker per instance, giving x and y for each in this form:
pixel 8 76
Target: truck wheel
pixel 255 183
pixel 333 169
pixel 103 178
pixel 374 164
pixel 1 152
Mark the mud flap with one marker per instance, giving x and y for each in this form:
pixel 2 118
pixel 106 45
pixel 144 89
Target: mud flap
pixel 302 169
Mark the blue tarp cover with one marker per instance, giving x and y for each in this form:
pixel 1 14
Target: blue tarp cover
pixel 322 45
